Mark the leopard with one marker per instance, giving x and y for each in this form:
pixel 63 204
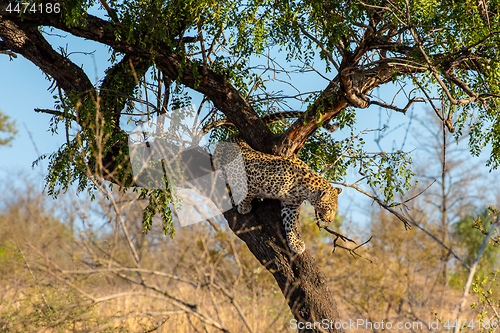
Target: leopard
pixel 288 179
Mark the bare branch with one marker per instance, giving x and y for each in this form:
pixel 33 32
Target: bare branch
pixel 66 281
pixel 345 239
pixel 5 50
pixel 395 108
pixel 136 315
pixel 126 269
pixel 236 306
pixel 407 221
pixel 447 121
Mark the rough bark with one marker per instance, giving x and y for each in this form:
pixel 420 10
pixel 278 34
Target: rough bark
pixel 25 39
pixel 300 278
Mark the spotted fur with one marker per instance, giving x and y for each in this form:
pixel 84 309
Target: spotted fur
pixel 287 179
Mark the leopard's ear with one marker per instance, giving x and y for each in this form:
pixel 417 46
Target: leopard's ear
pixel 339 190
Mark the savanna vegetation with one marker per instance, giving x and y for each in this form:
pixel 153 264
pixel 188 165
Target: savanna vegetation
pixel 241 61
pixel 69 265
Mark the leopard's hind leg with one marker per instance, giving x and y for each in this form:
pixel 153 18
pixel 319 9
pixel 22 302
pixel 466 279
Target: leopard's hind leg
pixel 229 159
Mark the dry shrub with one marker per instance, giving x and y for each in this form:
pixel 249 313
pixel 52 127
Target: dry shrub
pixel 66 266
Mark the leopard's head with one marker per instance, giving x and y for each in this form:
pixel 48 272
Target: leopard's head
pixel 327 203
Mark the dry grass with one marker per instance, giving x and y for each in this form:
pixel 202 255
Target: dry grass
pixel 51 306
pixel 55 278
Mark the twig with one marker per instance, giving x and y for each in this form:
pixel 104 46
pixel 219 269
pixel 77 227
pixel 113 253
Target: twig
pixel 34 146
pixel 236 306
pixel 186 307
pixel 4 49
pixel 126 269
pixel 416 195
pixel 9 53
pixel 492 306
pixel 69 283
pixel 345 239
pixel 342 237
pixel 407 221
pixel 440 243
pixel 436 110
pixel 136 315
pixel 314 39
pixel 57 113
pixel 29 268
pixel 124 227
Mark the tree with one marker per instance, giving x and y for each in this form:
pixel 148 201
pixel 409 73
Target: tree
pixel 441 50
pixel 453 195
pixel 8 128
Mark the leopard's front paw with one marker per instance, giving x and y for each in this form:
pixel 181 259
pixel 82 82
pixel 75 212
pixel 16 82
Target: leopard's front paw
pixel 296 245
pixel 242 209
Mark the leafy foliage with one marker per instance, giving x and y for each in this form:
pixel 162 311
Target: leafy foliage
pixel 470 238
pixel 8 128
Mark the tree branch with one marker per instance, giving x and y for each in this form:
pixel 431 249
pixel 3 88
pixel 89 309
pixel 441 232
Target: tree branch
pixel 57 113
pixel 5 50
pixel 25 39
pixel 395 108
pixel 408 221
pixel 314 39
pixel 224 96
